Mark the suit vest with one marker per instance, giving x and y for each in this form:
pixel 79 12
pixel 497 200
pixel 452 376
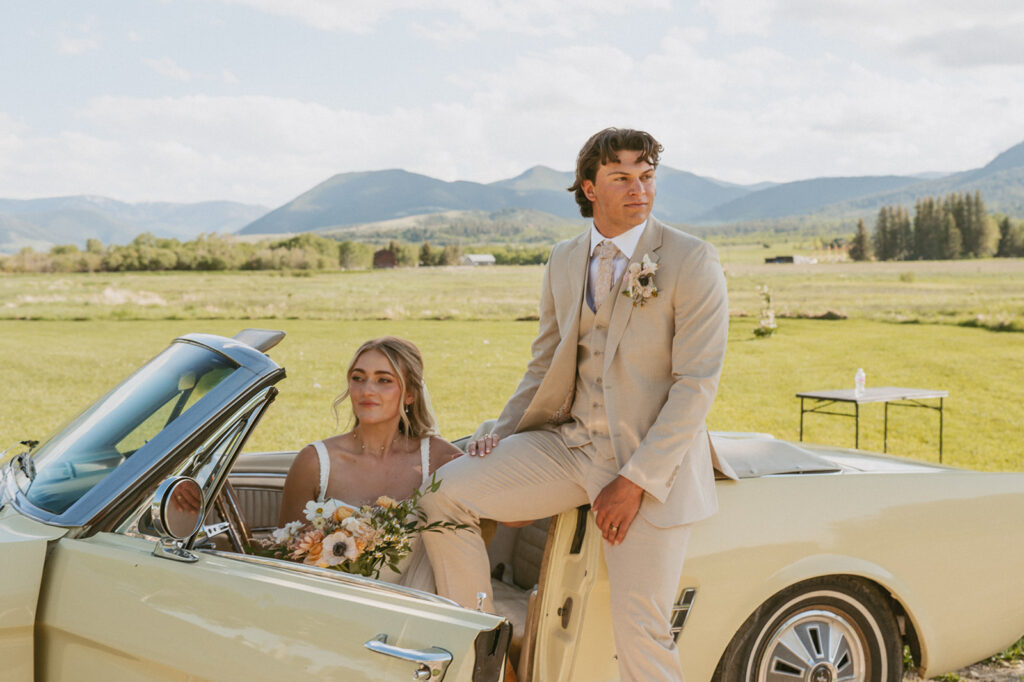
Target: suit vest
pixel 589 419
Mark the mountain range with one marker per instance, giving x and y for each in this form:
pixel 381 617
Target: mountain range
pixel 43 223
pixel 533 206
pixel 371 202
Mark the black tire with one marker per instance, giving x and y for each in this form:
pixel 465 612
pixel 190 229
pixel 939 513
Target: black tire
pixel 842 629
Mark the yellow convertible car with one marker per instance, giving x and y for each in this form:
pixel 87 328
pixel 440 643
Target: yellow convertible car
pixel 823 564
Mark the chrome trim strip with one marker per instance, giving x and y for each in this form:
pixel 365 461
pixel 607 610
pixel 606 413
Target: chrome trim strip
pixel 329 574
pixel 681 611
pixel 255 474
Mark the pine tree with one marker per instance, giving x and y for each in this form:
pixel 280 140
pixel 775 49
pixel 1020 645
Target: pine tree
pixel 986 228
pixel 883 235
pixel 928 241
pixel 1004 238
pixel 860 245
pixel 903 236
pixel 952 239
pixel 428 256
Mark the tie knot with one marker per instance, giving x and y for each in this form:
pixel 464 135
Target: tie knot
pixel 606 250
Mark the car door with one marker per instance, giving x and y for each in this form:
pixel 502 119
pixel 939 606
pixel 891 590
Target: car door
pixel 110 609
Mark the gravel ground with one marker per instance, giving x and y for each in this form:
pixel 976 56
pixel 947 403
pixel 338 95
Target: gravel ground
pixel 983 672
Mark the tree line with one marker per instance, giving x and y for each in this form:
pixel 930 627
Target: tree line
pixel 224 252
pixel 941 228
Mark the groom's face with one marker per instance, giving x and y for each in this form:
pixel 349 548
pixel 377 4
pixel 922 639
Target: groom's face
pixel 622 193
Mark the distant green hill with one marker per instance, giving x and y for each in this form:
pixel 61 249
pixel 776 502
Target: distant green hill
pixel 801 198
pixel 531 207
pixel 507 226
pixel 358 198
pixel 1001 183
pixel 41 223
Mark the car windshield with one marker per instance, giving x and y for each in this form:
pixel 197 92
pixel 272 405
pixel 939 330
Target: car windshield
pixel 83 453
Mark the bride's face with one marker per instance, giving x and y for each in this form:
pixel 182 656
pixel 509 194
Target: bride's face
pixel 374 389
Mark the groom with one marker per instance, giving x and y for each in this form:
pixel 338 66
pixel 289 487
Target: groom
pixel 610 412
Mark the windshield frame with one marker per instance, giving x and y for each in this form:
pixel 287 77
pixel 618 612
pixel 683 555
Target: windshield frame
pixel 254 371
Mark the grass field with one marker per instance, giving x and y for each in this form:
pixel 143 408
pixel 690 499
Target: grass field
pixel 65 339
pixel 52 369
pixel 987 293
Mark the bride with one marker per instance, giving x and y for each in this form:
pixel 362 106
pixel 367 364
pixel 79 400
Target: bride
pixel 391 450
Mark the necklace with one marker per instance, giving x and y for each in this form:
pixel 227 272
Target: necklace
pixel 362 444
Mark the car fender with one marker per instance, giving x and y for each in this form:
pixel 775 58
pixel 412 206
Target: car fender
pixel 728 620
pixel 840 564
pixel 23 545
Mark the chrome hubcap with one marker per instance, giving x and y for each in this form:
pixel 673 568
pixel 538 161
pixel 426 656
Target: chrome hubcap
pixel 813 646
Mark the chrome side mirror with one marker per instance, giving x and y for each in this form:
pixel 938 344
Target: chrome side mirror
pixel 176 511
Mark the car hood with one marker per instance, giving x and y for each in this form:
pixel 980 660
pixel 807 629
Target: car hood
pixel 754 455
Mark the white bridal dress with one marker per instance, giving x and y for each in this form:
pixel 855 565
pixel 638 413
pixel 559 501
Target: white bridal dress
pixel 414 570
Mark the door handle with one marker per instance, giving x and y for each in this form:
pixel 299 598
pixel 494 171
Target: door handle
pixel 432 662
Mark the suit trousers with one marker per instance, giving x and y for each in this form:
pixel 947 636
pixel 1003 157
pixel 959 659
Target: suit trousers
pixel 532 475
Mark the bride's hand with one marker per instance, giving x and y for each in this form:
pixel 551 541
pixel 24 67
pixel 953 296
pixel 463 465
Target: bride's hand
pixel 482 446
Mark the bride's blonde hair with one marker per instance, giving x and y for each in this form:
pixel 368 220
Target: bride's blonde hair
pixel 416 420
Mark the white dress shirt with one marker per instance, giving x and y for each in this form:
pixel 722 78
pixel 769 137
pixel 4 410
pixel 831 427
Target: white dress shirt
pixel 625 243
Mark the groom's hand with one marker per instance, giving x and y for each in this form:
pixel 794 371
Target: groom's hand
pixel 616 507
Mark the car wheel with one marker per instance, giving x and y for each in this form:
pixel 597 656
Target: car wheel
pixel 821 630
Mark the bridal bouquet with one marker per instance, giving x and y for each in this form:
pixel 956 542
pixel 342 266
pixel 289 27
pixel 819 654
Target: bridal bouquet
pixel 355 540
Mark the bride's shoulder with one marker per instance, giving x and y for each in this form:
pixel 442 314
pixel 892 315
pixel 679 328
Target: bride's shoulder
pixel 306 461
pixel 441 452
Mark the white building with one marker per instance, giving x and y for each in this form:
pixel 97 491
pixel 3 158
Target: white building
pixel 478 259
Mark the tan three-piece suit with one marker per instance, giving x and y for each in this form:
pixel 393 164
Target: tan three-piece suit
pixel 623 389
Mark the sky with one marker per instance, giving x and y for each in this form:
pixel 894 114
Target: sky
pixel 257 101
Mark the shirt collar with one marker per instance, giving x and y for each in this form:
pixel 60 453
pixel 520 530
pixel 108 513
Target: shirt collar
pixel 625 242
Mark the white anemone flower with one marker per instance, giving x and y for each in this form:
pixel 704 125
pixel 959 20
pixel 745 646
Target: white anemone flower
pixel 339 547
pixel 322 510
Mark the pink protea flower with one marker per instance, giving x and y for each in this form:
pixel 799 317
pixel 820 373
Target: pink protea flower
pixel 308 546
pixel 339 547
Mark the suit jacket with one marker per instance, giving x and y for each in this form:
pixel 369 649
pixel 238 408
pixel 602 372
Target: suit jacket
pixel 661 368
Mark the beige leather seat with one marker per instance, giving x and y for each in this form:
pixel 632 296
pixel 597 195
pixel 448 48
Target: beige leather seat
pixel 516 558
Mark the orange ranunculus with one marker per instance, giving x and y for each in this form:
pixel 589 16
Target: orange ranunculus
pixel 342 513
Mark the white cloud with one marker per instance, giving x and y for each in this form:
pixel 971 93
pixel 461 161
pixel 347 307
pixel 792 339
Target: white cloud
pixel 760 109
pixel 946 33
pixel 168 68
pixel 739 17
pixel 79 40
pixel 73 46
pixel 456 19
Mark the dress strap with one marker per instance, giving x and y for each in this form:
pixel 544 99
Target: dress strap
pixel 425 458
pixel 325 469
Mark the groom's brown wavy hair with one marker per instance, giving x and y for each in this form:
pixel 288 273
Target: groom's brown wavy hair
pixel 416 421
pixel 604 147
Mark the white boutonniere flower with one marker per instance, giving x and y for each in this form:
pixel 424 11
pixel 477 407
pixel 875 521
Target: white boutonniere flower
pixel 639 280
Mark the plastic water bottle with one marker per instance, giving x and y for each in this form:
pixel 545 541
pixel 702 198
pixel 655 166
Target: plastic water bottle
pixel 858 383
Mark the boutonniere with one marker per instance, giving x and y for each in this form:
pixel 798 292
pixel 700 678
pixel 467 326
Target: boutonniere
pixel 640 281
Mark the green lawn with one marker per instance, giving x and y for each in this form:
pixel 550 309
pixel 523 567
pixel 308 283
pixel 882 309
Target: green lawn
pixel 52 369
pixel 987 293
